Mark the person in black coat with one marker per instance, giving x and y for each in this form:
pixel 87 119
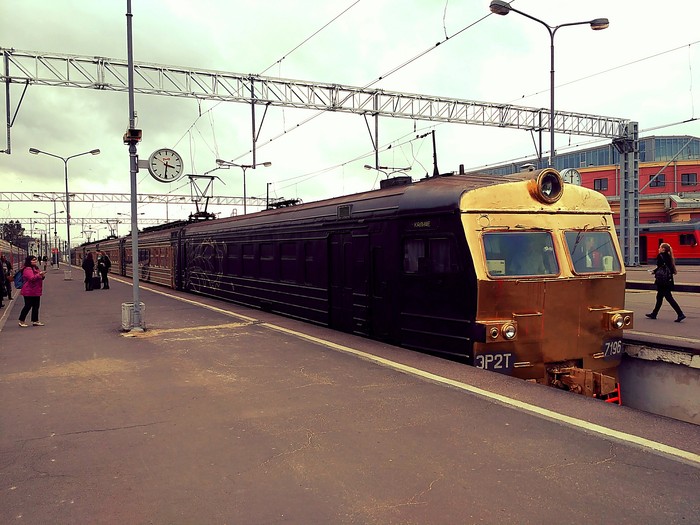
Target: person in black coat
pixel 6 276
pixel 103 266
pixel 88 268
pixel 664 272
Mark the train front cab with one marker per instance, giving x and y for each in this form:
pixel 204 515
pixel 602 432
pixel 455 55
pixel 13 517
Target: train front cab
pixel 551 287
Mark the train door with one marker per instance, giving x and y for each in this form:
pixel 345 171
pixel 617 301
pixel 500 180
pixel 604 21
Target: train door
pixel 340 272
pixel 349 282
pixel 176 263
pixel 643 249
pixel 381 321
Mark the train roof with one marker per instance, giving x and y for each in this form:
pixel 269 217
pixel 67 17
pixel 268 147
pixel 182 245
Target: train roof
pixel 686 226
pixel 431 195
pixel 434 194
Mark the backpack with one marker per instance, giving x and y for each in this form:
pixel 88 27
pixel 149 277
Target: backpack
pixel 19 279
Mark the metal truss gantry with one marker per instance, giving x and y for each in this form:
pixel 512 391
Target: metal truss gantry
pixel 51 69
pixel 143 198
pixel 102 73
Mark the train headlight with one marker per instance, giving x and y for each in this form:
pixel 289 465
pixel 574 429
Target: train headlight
pixel 547 186
pixel 496 331
pixel 619 319
pixel 509 331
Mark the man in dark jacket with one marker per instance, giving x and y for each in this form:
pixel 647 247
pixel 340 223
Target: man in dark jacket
pixel 103 266
pixel 88 267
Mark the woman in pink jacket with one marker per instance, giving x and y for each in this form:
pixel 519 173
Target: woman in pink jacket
pixel 33 282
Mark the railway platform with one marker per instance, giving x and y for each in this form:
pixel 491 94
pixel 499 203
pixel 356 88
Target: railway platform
pixel 222 414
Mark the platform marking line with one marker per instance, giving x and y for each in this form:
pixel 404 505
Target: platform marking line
pixel 196 303
pixel 575 422
pixel 508 401
pixel 186 329
pixel 673 337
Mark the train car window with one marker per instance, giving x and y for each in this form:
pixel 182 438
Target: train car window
pixel 440 255
pixel 592 251
pixel 288 261
pixel 248 269
pixel 233 254
pixel 413 255
pixel 428 256
pixel 688 239
pixel 267 261
pixel 520 253
pixel 315 271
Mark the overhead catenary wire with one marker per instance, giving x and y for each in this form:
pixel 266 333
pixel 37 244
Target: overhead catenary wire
pixel 373 82
pixel 307 39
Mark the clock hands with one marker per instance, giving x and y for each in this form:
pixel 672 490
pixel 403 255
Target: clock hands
pixel 165 165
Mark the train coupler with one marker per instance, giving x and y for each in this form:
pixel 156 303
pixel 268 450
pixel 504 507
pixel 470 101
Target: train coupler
pixel 582 381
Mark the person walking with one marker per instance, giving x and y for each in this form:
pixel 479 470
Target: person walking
pixel 32 287
pixel 88 268
pixel 103 266
pixel 663 277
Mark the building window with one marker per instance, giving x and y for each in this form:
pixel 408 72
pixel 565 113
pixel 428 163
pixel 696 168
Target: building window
pixel 689 179
pixel 600 184
pixel 656 181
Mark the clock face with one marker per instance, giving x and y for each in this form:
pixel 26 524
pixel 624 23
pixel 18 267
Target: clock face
pixel 572 176
pixel 165 165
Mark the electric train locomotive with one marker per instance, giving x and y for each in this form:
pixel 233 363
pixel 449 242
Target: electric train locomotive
pixel 684 238
pixel 519 274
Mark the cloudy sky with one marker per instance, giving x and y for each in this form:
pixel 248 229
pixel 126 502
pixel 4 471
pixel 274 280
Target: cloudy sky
pixel 645 67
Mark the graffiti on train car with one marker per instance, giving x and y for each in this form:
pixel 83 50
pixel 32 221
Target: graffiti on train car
pixel 205 265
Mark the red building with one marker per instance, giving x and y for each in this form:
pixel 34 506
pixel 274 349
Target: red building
pixel 668 191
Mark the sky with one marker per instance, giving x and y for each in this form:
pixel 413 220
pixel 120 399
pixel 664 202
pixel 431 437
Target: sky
pixel 645 67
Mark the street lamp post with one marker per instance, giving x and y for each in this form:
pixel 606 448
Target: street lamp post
pixel 227 164
pixel 129 215
pixel 55 229
pixel 65 160
pixel 500 7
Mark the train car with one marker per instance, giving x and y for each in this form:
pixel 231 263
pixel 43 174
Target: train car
pixel 156 255
pixel 519 275
pixel 684 238
pixel 13 253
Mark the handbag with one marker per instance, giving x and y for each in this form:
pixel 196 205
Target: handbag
pixel 663 275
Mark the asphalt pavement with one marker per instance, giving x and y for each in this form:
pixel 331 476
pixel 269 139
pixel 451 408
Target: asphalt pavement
pixel 221 414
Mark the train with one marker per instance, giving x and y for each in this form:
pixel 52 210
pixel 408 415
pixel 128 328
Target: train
pixel 13 253
pixel 684 238
pixel 516 274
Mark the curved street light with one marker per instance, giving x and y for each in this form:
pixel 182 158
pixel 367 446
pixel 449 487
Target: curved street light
pixel 227 164
pixel 65 160
pixel 499 7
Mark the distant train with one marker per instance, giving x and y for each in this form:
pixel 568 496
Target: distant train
pixel 13 253
pixel 520 274
pixel 684 238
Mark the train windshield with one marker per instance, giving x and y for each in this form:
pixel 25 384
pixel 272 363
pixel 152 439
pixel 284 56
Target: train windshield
pixel 520 253
pixel 592 251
